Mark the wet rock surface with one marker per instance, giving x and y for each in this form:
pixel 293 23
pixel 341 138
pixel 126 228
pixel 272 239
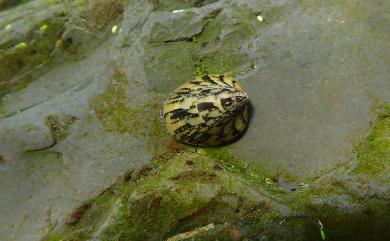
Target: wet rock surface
pixel 315 90
pixel 82 83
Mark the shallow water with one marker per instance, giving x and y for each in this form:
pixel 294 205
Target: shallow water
pixel 81 84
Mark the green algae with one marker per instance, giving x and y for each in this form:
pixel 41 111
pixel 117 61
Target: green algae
pixel 208 51
pixel 343 214
pixel 115 110
pixel 6 4
pixel 86 219
pixel 98 14
pixel 59 128
pixel 183 192
pixel 164 72
pixel 120 112
pixel 172 196
pixel 23 58
pixel 161 5
pixel 354 205
pixel 374 152
pixel 256 176
pixel 373 157
pixel 48 164
pixel 2 159
pixel 364 220
pixel 212 64
pixel 213 54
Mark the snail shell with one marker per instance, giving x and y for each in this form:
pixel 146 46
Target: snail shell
pixel 206 111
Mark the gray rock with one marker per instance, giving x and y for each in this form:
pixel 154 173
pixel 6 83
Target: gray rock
pixel 73 123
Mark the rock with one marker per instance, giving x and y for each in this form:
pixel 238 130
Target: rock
pixel 171 198
pixel 79 113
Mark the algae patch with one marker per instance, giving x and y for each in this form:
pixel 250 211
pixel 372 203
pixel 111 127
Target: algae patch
pixel 74 26
pixel 115 110
pixel 179 194
pixel 255 175
pixel 178 4
pixel 120 111
pixel 59 128
pixel 23 58
pixel 214 43
pixel 175 196
pixel 2 159
pixel 97 15
pixel 374 152
pixel 4 5
pixel 217 51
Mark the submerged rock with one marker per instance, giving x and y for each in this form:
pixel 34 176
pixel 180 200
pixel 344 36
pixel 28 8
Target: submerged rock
pixel 176 195
pixel 80 107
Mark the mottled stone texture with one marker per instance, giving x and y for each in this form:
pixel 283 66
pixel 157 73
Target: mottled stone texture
pixel 83 155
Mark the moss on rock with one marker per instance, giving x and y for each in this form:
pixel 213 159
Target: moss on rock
pixel 211 44
pixel 98 14
pixel 22 58
pixel 178 195
pixel 208 195
pixel 59 128
pixel 5 4
pixel 374 152
pixel 114 109
pixel 178 4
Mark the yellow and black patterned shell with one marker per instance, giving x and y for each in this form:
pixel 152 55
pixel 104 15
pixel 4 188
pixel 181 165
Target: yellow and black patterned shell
pixel 206 111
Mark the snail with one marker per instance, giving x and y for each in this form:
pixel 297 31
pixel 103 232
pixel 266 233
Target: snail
pixel 208 110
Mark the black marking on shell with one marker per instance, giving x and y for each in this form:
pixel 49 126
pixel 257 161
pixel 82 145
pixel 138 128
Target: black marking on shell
pixel 225 102
pixel 222 79
pixel 209 80
pixel 206 106
pixel 181 114
pixel 185 127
